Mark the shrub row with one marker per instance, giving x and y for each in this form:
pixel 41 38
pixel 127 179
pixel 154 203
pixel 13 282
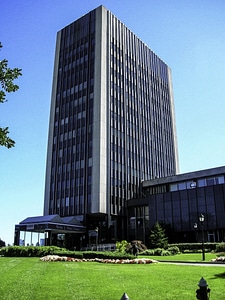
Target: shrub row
pixel 195 247
pixel 27 251
pixel 161 252
pixel 40 251
pixel 174 249
pixel 220 247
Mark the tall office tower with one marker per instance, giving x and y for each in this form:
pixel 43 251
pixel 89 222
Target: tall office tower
pixel 111 122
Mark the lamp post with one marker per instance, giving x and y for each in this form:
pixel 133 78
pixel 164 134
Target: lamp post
pixel 201 220
pixel 96 231
pixel 195 228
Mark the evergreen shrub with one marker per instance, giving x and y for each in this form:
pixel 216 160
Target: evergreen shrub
pixel 220 247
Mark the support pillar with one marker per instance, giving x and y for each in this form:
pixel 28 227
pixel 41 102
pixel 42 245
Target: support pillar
pixel 17 236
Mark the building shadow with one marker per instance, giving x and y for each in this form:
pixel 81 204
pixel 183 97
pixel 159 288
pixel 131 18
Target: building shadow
pixel 220 275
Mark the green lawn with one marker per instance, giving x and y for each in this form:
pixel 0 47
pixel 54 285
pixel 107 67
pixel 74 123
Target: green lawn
pixel 191 257
pixel 30 278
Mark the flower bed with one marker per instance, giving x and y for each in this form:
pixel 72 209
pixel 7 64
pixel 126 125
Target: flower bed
pixel 219 259
pixel 107 261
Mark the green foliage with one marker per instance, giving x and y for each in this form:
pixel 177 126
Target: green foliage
pixel 107 255
pixel 220 247
pixel 165 253
pixel 195 247
pixel 7 85
pixel 161 252
pixel 5 140
pixel 40 251
pixel 122 246
pixel 173 250
pixel 158 251
pixel 158 237
pixel 148 252
pixel 28 251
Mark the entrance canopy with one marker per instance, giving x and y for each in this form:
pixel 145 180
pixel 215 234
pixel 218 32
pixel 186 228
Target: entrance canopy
pixel 49 224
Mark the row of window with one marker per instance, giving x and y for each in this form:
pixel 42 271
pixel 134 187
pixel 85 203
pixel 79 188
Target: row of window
pixel 135 103
pixel 70 183
pixel 196 183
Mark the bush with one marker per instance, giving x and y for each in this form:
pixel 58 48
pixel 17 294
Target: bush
pixel 122 246
pixel 193 251
pixel 28 251
pixel 220 247
pixel 73 254
pixel 173 250
pixel 157 252
pixel 165 253
pixel 106 255
pixel 194 247
pixel 40 251
pixel 149 252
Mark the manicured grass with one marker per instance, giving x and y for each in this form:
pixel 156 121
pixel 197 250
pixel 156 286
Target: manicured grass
pixel 191 257
pixel 32 279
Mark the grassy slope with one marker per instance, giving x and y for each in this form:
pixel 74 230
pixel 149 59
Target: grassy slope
pixel 29 278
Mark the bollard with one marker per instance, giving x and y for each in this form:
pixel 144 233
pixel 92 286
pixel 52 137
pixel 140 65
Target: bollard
pixel 125 297
pixel 203 291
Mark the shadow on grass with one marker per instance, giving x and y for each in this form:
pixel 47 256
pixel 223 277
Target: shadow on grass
pixel 220 275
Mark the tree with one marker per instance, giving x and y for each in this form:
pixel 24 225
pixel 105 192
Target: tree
pixel 135 246
pixel 7 85
pixel 158 237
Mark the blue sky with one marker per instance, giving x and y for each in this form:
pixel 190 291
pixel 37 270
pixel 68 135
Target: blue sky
pixel 187 34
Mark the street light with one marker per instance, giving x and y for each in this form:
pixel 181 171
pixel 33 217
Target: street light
pixel 201 220
pixel 96 231
pixel 195 228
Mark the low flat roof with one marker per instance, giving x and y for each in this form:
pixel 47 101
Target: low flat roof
pixel 51 223
pixel 185 176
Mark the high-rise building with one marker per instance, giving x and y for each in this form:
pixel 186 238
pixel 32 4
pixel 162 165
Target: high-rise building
pixel 112 123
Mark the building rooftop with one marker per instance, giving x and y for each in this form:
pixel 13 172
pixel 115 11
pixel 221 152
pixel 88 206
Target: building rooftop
pixel 184 176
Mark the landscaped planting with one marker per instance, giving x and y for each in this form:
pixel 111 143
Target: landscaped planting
pixel 219 259
pixel 107 261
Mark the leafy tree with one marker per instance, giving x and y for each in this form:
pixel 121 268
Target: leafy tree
pixel 158 238
pixel 136 245
pixel 7 85
pixel 122 246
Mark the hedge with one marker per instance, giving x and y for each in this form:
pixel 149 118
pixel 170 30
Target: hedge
pixel 195 247
pixel 36 251
pixel 40 251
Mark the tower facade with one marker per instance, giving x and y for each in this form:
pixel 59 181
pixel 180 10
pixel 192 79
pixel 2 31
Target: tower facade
pixel 112 122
